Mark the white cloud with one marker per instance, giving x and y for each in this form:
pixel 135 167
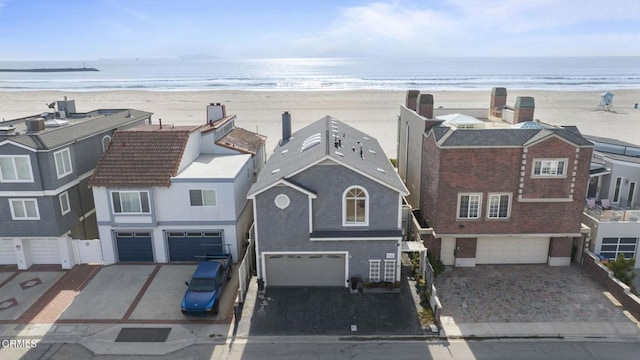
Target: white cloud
pixel 471 27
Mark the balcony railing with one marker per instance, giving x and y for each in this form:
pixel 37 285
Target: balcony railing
pixel 615 213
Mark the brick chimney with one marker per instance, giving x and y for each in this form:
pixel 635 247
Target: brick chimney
pixel 425 105
pixel 412 99
pixel 498 101
pixel 523 109
pixel 286 127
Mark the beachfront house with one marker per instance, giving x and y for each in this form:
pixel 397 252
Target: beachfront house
pixel 493 189
pixel 612 209
pixel 45 163
pixel 328 208
pixel 168 193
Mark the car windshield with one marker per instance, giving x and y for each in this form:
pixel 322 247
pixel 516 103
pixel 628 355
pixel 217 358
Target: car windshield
pixel 202 284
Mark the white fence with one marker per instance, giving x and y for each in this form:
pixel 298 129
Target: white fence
pixel 87 251
pixel 247 267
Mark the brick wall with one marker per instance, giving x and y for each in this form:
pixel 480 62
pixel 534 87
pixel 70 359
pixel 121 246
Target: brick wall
pixel 560 247
pixel 466 248
pixel 450 171
pixel 599 273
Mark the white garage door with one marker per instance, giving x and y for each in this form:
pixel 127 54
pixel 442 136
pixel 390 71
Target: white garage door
pixel 305 269
pixel 7 254
pixel 44 251
pixel 512 250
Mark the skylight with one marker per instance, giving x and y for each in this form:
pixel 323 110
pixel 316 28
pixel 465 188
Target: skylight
pixel 311 141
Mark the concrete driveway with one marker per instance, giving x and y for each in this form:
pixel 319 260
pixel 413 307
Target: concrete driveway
pixel 523 293
pixel 121 293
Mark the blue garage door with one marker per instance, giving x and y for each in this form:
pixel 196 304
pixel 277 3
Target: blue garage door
pixel 191 246
pixel 134 246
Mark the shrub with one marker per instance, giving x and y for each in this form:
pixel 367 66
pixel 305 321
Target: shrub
pixel 436 264
pixel 623 268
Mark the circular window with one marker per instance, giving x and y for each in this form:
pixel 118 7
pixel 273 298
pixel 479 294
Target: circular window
pixel 282 201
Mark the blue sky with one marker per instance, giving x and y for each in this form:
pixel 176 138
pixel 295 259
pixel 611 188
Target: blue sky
pixel 98 29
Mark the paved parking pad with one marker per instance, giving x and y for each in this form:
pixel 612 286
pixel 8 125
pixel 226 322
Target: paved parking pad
pixel 162 298
pixel 23 291
pixel 332 311
pixel 5 275
pixel 523 293
pixel 110 293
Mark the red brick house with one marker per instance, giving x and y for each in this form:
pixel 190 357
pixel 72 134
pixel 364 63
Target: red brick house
pixel 502 194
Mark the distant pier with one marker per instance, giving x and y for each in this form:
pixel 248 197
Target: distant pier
pixel 50 70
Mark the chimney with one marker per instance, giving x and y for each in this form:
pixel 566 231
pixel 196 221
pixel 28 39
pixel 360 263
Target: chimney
pixel 523 109
pixel 215 112
pixel 498 101
pixel 412 98
pixel 286 127
pixel 425 105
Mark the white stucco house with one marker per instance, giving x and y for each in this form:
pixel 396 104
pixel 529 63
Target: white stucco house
pixel 176 193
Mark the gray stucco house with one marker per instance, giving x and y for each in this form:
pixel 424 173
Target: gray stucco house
pixel 45 163
pixel 327 207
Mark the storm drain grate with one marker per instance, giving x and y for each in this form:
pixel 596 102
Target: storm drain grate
pixel 143 335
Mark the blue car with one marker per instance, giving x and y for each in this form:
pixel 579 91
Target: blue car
pixel 205 289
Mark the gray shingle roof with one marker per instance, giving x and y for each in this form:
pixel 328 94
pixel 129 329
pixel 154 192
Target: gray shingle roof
pixel 80 125
pixel 288 158
pixel 448 137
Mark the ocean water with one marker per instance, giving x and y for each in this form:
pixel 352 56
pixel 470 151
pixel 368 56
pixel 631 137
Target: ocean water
pixel 542 73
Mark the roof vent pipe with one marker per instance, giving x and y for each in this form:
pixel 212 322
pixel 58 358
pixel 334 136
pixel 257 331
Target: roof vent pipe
pixel 286 127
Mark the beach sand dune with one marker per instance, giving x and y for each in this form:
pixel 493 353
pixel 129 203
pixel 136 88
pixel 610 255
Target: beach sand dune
pixel 372 111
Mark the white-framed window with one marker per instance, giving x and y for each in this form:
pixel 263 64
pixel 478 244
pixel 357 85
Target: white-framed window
pixel 550 167
pixel 65 207
pixel 611 247
pixel 374 270
pixel 617 189
pixel 15 168
pixel 106 140
pixel 631 194
pixel 498 206
pixel 202 197
pixel 63 162
pixel 24 209
pixel 355 206
pixel 130 202
pixel 390 270
pixel 469 205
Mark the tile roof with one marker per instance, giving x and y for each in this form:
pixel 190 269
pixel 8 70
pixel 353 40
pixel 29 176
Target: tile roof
pixel 242 140
pixel 141 158
pixel 80 125
pixel 319 138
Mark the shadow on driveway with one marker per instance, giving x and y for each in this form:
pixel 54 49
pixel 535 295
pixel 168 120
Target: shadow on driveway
pixel 332 311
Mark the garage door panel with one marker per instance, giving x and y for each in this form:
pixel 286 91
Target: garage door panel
pixel 512 251
pixel 44 251
pixel 134 247
pixel 305 269
pixel 192 246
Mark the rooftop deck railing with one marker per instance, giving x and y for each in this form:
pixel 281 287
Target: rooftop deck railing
pixel 621 212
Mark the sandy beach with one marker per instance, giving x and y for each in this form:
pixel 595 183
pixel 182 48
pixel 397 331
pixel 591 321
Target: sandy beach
pixel 372 111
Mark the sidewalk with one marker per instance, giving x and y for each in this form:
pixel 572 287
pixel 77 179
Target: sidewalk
pixel 620 330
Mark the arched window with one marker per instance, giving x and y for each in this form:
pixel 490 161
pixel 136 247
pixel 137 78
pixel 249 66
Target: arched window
pixel 106 140
pixel 355 206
